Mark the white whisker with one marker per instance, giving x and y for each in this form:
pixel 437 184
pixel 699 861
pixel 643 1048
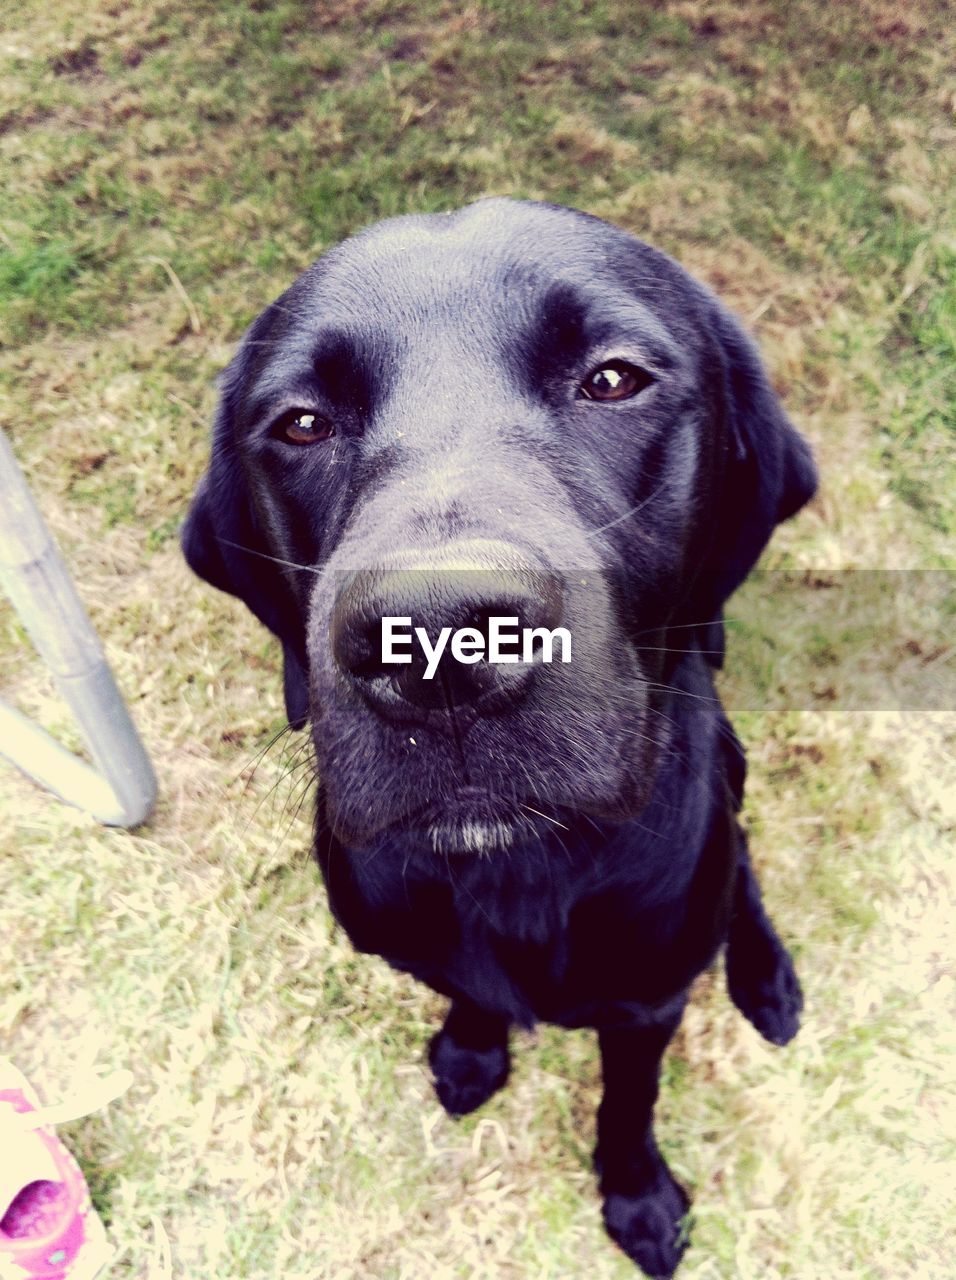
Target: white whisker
pixel 547 818
pixel 682 626
pixel 290 564
pixel 627 514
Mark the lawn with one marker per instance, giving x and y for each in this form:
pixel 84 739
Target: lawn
pixel 166 170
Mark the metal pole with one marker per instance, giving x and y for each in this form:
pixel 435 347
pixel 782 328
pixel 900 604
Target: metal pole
pixel 121 789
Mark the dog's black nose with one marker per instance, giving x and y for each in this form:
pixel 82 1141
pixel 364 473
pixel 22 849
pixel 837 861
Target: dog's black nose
pixel 421 641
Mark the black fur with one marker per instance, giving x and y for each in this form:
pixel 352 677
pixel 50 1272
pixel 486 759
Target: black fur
pixel 565 847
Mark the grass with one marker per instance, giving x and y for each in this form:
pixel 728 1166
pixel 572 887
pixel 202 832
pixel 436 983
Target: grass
pixel 166 171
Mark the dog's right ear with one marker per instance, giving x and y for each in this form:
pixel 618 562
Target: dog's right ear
pixel 219 534
pixel 221 538
pixel 224 543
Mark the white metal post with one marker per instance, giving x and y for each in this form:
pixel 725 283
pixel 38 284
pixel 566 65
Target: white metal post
pixel 121 789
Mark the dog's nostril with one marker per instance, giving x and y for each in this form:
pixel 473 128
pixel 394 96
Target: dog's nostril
pixel 357 644
pixel 505 617
pixel 488 618
pixel 369 667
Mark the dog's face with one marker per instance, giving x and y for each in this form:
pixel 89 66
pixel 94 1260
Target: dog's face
pixel 511 411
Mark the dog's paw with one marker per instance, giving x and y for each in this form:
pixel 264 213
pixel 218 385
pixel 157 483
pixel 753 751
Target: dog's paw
pixel 650 1228
pixel 465 1078
pixel 767 994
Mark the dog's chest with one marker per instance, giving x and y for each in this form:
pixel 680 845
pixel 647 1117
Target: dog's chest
pixel 536 941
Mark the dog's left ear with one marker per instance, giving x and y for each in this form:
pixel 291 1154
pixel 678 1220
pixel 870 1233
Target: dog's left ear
pixel 223 542
pixel 770 472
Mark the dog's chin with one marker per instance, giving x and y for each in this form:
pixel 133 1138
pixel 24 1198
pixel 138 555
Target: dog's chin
pixel 446 836
pixel 467 821
pixel 472 820
pixel 481 837
pixel 479 822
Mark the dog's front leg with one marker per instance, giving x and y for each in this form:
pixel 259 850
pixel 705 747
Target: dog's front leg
pixel 760 975
pixel 644 1206
pixel 469 1057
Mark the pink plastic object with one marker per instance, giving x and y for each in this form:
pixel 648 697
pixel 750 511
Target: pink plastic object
pixel 49 1229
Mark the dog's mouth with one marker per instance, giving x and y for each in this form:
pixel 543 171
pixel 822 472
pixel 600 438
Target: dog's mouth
pixel 470 820
pixel 483 814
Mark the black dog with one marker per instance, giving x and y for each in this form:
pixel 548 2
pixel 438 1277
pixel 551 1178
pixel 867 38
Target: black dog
pixel 517 410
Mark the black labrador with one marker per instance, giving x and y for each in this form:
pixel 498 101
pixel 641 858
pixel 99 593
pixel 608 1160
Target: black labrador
pixel 517 411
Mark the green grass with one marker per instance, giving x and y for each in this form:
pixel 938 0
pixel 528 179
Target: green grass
pixel 166 171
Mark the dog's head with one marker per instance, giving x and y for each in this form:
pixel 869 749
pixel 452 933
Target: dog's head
pixel 513 411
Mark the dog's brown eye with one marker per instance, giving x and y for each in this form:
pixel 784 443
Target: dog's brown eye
pixel 616 380
pixel 299 426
